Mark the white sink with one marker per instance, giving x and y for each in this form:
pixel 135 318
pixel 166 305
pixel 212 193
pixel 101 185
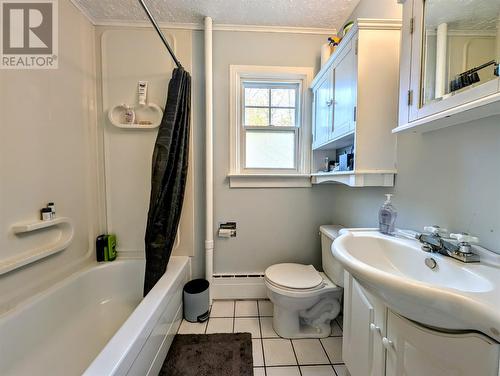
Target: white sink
pixel 453 295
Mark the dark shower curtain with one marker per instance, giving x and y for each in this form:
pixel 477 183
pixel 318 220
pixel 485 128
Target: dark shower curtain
pixel 168 178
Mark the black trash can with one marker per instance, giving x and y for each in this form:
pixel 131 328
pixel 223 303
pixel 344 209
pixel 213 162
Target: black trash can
pixel 196 300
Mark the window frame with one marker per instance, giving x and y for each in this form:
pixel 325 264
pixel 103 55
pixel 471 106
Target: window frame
pixel 299 176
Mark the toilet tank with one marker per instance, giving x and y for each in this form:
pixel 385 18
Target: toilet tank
pixel 332 268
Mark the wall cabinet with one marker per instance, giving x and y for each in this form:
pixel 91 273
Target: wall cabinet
pixel 324 116
pixel 377 341
pixel 355 105
pixel 449 67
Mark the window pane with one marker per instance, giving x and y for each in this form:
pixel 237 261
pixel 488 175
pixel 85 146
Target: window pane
pixel 283 97
pixel 283 117
pixel 270 149
pixel 256 97
pixel 256 116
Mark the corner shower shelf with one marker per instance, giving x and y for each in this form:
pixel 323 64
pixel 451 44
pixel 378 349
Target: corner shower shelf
pixel 150 112
pixel 27 257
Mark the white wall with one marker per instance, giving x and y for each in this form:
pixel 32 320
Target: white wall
pixel 274 225
pixel 448 177
pixel 47 153
pixel 376 9
pixel 128 56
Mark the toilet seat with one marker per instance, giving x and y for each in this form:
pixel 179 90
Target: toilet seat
pixel 291 276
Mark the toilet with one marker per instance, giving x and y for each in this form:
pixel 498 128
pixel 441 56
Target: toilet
pixel 305 300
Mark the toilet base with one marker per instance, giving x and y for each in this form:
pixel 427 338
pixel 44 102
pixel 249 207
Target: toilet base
pixel 313 322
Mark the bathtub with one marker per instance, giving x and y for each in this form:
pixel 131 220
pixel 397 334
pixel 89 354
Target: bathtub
pixel 95 323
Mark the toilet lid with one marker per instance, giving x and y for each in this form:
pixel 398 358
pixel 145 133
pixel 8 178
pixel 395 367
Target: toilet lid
pixel 294 276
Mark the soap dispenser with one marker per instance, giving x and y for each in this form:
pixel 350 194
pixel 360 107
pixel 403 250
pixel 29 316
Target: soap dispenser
pixel 387 217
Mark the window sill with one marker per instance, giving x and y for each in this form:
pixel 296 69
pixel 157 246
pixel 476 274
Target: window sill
pixel 269 180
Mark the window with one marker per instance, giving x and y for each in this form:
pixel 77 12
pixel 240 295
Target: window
pixel 271 121
pixel 270 126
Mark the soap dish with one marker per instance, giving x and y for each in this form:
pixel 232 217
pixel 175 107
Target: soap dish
pixel 146 116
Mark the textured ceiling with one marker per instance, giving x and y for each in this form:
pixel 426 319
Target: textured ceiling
pixel 298 13
pixel 463 14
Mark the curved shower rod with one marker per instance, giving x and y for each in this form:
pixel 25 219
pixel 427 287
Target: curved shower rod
pixel 155 24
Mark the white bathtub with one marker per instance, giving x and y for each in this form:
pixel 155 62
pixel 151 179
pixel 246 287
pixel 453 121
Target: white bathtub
pixel 95 323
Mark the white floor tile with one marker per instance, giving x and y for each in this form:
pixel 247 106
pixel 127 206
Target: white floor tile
pixel 245 308
pixel 192 327
pixel 282 371
pixel 336 329
pixel 333 347
pixel 266 326
pixel 259 371
pixel 222 308
pixel 317 371
pixel 258 358
pixel 309 351
pixel 247 325
pixel 265 308
pixel 220 325
pixel 341 370
pixel 278 352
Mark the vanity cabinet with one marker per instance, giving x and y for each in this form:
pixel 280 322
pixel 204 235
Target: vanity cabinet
pixel 355 106
pixel 378 341
pixel 413 350
pixel 364 327
pixel 449 63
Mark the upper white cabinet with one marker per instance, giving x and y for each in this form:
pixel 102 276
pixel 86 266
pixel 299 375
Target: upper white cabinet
pixel 449 63
pixel 355 106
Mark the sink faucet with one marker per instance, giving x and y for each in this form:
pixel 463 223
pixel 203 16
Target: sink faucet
pixel 434 243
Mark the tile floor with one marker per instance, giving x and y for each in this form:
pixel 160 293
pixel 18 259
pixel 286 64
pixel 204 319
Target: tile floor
pixel 272 355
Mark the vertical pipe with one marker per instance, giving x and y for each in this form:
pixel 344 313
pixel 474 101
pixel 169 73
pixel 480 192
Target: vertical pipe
pixel 441 47
pixel 209 167
pixel 497 55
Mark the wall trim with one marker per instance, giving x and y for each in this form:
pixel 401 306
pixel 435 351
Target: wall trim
pixel 200 26
pixel 378 24
pixel 238 287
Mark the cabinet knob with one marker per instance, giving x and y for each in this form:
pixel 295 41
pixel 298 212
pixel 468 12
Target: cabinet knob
pixel 374 328
pixel 387 343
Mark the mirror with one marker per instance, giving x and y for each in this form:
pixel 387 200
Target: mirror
pixel 461 46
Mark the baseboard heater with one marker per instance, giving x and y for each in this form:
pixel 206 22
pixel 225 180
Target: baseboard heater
pixel 238 276
pixel 238 286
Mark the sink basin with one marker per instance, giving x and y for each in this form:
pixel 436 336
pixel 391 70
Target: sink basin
pixel 451 295
pixel 405 260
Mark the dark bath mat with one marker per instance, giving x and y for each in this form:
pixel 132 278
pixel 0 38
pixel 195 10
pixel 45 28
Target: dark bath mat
pixel 209 355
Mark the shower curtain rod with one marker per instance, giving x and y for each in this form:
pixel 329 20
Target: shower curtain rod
pixel 155 24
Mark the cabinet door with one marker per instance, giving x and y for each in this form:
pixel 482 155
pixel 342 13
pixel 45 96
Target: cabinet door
pixel 433 69
pixel 344 92
pixel 417 351
pixel 364 327
pixel 323 103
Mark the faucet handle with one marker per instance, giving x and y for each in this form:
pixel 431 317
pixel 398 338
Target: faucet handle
pixel 465 238
pixel 436 230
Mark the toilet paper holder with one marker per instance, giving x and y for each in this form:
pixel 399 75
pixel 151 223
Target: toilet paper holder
pixel 227 230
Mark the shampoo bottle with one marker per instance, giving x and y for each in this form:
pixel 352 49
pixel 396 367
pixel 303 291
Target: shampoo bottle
pixel 387 217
